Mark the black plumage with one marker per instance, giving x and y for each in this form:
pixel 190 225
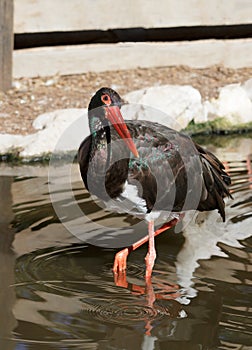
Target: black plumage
pixel 170 171
pixel 166 160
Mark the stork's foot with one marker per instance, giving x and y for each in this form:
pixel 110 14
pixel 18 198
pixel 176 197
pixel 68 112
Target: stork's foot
pixel 120 261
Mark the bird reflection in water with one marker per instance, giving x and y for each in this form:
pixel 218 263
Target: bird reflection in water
pixel 165 292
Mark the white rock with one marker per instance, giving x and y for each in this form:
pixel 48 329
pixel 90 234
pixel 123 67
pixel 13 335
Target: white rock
pixel 247 86
pixel 50 82
pixel 9 141
pixel 61 130
pixel 60 117
pixel 233 103
pixel 171 105
pixel 16 85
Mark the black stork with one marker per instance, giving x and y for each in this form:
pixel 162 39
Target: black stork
pixel 150 171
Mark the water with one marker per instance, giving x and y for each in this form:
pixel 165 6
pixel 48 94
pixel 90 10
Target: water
pixel 58 290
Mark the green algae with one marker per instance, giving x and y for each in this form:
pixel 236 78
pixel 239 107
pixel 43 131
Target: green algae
pixel 219 125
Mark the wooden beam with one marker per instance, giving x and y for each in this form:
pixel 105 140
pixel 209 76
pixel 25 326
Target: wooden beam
pixel 6 43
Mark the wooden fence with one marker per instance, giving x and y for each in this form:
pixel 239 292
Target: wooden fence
pixel 64 16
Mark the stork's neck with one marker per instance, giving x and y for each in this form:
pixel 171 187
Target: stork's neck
pixel 105 137
pixel 100 135
pixel 95 123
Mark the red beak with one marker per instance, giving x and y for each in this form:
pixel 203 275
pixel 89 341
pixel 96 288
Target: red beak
pixel 115 117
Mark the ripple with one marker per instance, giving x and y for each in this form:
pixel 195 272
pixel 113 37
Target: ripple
pixel 80 279
pixel 121 312
pixel 133 269
pixel 66 295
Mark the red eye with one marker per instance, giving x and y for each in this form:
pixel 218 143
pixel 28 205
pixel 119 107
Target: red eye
pixel 106 99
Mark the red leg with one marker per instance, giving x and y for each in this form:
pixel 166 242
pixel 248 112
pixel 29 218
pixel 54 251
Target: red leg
pixel 151 255
pixel 120 261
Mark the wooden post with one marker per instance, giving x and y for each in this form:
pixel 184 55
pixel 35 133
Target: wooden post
pixel 6 43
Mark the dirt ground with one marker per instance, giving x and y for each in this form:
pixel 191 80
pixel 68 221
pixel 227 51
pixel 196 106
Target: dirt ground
pixel 31 97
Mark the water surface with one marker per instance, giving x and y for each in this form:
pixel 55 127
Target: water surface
pixel 57 287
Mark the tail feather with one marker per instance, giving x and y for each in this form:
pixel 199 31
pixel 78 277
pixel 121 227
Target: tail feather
pixel 215 184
